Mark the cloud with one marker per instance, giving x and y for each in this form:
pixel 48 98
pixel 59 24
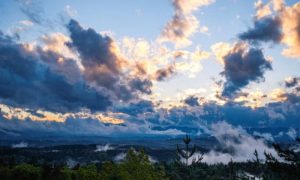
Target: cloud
pixel 183 24
pixel 20 27
pixel 135 108
pixel 59 57
pixel 189 63
pixel 280 26
pixel 252 99
pixel 120 157
pixel 220 49
pixel 157 62
pixel 266 136
pixel 265 29
pixel 191 101
pixel 262 10
pixel 242 65
pixel 96 52
pixel 106 68
pixel 20 145
pixel 292 93
pixel 103 148
pixel 292 133
pixel 28 82
pixel 291 29
pixel 141 85
pixel 144 118
pixel 292 82
pixel 70 11
pixel 34 11
pixel 238 144
pixel 165 73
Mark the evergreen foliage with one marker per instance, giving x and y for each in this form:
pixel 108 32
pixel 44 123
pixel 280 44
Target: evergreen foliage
pixel 137 166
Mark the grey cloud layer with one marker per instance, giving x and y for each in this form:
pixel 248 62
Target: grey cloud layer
pixel 28 82
pixel 142 118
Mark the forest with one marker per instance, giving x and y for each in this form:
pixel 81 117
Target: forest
pixel 136 165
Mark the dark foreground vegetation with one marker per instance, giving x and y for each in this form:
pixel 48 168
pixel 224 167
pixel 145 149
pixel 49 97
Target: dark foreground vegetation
pixel 136 165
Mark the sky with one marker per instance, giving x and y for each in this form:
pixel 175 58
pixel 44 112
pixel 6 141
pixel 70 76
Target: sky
pixel 149 68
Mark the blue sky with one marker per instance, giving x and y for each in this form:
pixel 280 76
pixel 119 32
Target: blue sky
pixel 141 64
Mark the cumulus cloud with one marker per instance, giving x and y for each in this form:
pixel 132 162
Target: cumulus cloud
pixel 100 62
pixel 265 29
pixel 291 29
pixel 157 62
pixel 28 82
pixel 220 50
pixel 105 67
pixel 282 25
pixel 242 65
pixel 189 63
pixel 262 10
pixel 183 24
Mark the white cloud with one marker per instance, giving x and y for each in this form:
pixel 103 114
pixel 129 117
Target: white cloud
pixel 292 133
pixel 103 148
pixel 20 145
pixel 183 24
pixel 238 142
pixel 70 11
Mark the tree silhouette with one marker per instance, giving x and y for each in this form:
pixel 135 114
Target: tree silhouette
pixel 186 154
pixel 291 167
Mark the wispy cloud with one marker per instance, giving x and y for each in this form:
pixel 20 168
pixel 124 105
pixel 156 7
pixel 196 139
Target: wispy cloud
pixel 183 24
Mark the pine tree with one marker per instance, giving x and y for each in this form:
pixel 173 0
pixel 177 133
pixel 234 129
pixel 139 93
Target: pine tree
pixel 186 154
pixel 290 169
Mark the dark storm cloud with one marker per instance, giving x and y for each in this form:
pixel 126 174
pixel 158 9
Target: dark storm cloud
pixel 267 29
pixel 99 62
pixel 192 101
pixel 102 65
pixel 27 81
pixel 243 65
pixel 94 49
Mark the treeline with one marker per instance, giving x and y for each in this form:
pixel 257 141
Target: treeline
pixel 136 165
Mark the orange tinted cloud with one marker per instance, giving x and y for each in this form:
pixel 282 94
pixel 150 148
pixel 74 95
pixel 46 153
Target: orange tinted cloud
pixel 183 24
